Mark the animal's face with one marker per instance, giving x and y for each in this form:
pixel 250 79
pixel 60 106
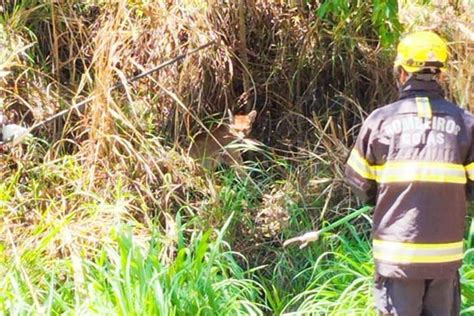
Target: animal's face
pixel 241 124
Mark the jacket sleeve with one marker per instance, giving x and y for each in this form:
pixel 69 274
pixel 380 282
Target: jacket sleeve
pixel 360 172
pixel 469 163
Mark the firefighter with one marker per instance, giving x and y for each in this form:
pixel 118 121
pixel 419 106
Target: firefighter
pixel 413 160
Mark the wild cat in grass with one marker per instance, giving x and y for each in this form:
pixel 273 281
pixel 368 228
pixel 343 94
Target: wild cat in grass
pixel 217 146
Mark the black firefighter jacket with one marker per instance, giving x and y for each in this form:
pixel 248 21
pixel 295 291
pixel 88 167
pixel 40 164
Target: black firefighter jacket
pixel 414 159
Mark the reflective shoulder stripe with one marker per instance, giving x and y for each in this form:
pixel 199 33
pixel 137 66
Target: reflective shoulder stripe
pixel 402 252
pixel 360 165
pixel 423 106
pixel 425 171
pixel 470 171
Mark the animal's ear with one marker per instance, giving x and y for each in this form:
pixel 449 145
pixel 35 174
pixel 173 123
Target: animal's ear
pixel 231 116
pixel 252 115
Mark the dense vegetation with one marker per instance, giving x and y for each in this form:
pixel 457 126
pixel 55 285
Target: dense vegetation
pixel 103 212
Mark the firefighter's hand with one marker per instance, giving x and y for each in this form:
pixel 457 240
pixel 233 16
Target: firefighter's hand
pixel 303 239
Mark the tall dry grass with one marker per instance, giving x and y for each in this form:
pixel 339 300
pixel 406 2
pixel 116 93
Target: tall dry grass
pixel 311 74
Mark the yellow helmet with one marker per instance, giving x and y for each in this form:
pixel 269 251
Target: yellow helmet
pixel 422 50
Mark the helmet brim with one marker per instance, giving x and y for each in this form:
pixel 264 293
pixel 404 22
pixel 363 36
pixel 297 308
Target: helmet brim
pixel 411 69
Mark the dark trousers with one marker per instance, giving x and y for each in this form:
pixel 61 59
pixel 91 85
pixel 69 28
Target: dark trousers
pixel 415 297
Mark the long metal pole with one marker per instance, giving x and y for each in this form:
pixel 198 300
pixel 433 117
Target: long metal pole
pixel 80 106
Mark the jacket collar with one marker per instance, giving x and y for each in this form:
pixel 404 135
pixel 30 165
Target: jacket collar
pixel 414 88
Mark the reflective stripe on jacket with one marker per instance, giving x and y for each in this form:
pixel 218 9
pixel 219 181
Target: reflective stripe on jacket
pixel 414 160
